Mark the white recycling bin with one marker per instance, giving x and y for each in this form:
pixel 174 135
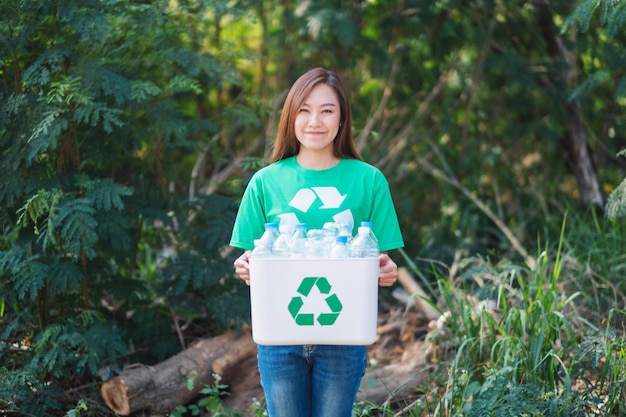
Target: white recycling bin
pixel 314 301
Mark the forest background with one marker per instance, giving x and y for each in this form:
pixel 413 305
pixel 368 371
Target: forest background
pixel 128 130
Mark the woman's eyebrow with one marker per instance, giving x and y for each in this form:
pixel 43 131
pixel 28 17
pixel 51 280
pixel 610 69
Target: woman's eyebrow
pixel 322 105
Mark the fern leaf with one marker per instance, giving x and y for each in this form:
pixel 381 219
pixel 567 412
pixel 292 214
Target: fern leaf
pixel 68 90
pixel 111 229
pixel 616 203
pixel 113 85
pixel 10 190
pixel 58 348
pixel 27 274
pixel 141 90
pixel 15 104
pixel 77 345
pixel 64 276
pixel 76 224
pixel 95 113
pixel 614 16
pixel 183 84
pixel 41 206
pixel 48 335
pixel 37 206
pixel 51 60
pixel 9 260
pixel 582 14
pixel 45 133
pixel 106 194
pixel 188 273
pixel 104 342
pixel 89 317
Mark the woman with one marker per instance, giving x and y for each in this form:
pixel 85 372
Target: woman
pixel 316 175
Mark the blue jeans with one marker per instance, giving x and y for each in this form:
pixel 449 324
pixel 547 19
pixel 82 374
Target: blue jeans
pixel 311 380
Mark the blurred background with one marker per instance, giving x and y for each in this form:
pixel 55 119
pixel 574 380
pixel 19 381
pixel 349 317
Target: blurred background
pixel 129 129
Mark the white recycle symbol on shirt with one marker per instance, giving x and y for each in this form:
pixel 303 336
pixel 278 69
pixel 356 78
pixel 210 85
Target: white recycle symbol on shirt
pixel 330 197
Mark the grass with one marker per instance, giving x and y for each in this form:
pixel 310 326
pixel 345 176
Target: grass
pixel 540 341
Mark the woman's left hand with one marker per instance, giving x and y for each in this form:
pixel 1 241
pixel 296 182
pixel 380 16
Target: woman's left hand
pixel 388 273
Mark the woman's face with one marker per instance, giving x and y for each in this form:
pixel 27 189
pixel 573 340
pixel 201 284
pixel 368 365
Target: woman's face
pixel 317 120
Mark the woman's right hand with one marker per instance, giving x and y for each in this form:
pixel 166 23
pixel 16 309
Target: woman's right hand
pixel 242 267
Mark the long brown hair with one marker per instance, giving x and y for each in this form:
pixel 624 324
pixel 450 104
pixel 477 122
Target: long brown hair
pixel 286 144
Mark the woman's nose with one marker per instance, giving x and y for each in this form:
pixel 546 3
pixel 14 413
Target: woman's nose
pixel 314 119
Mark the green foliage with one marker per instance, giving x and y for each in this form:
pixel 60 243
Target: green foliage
pixel 518 340
pixel 597 247
pixel 102 103
pixel 616 203
pixel 599 363
pixel 521 343
pixel 521 329
pixel 498 397
pixel 210 402
pixel 76 347
pixel 612 15
pixel 76 411
pixel 25 394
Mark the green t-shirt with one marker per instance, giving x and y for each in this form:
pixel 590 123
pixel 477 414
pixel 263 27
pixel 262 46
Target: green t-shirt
pixel 350 192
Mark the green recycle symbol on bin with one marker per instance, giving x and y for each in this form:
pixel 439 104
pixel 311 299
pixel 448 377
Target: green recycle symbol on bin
pixel 308 319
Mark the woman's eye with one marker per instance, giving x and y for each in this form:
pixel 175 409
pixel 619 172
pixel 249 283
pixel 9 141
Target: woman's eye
pixel 304 110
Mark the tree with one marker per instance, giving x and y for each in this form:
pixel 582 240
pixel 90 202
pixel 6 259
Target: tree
pixel 611 21
pixel 103 103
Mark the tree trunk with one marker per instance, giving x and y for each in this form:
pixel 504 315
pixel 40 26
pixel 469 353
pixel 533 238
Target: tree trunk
pixel 162 387
pixel 574 146
pixel 577 156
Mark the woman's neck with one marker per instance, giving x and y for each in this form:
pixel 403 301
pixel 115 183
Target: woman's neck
pixel 316 161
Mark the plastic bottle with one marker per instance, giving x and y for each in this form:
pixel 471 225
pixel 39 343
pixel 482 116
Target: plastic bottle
pixel 370 226
pixel 340 248
pixel 298 242
pixel 329 232
pixel 317 245
pixel 261 250
pixel 281 245
pixel 363 246
pixel 270 234
pixel 345 229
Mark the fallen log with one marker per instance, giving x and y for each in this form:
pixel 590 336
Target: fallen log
pixel 162 387
pixel 232 363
